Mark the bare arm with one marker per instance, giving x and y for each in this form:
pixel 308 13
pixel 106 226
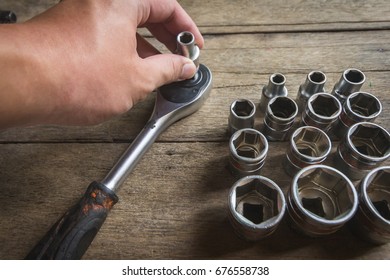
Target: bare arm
pixel 82 62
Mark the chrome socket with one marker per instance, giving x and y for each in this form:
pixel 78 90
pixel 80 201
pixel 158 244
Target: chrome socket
pixel 186 46
pixel 365 146
pixel 320 200
pixel 248 151
pixel 279 118
pixel 275 87
pixel 256 206
pixel 308 146
pixel 372 219
pixel 314 83
pixel 242 115
pixel 322 111
pixel 351 81
pixel 358 107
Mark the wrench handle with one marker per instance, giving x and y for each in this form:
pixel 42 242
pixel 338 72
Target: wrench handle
pixel 72 234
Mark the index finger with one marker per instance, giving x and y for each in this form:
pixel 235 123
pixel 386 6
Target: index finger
pixel 166 19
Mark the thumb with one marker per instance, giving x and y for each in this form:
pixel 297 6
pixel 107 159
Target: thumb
pixel 168 68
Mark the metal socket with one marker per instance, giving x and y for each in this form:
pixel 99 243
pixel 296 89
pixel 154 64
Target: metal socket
pixel 308 146
pixel 248 151
pixel 365 146
pixel 314 83
pixel 242 115
pixel 372 219
pixel 275 87
pixel 279 118
pixel 321 200
pixel 322 111
pixel 359 107
pixel 256 206
pixel 186 46
pixel 351 81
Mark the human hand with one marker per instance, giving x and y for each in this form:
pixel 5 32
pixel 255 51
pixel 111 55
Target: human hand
pixel 86 63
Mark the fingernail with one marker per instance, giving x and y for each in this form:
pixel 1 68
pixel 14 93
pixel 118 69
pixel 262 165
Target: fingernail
pixel 188 71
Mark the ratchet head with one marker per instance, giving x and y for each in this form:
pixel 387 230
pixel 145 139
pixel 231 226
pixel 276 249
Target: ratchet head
pixel 181 99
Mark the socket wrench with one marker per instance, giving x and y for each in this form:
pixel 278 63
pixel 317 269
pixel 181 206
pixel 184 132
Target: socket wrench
pixel 71 236
pixel 275 87
pixel 242 115
pixel 350 81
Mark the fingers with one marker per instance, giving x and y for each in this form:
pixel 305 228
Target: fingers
pixel 166 19
pixel 166 68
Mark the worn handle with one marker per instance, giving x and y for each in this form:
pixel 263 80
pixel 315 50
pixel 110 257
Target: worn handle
pixel 72 234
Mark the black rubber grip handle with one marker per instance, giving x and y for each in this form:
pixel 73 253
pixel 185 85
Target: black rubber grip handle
pixel 71 235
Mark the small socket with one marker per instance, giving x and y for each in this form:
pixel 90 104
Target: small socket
pixel 359 107
pixel 351 81
pixel 186 46
pixel 279 118
pixel 365 146
pixel 314 83
pixel 372 220
pixel 308 146
pixel 256 206
pixel 320 200
pixel 242 115
pixel 275 87
pixel 322 111
pixel 248 151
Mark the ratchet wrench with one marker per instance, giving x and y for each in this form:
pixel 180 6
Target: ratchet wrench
pixel 72 234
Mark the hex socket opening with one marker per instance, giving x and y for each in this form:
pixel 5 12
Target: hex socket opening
pixel 243 108
pixel 278 79
pixel 370 141
pixel 321 200
pixel 186 38
pixel 310 142
pixel 324 105
pixel 364 105
pixel 324 193
pixel 256 207
pixel 317 77
pixel 283 107
pixel 354 76
pixel 249 144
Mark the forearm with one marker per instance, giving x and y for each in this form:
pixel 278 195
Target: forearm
pixel 24 83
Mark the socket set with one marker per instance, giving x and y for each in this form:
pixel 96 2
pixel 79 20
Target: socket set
pixel 321 198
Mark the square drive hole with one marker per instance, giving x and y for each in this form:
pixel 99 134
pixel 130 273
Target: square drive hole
pixel 314 205
pixel 253 212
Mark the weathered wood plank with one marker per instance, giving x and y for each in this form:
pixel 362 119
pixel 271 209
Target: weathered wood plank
pixel 172 206
pixel 241 65
pixel 220 16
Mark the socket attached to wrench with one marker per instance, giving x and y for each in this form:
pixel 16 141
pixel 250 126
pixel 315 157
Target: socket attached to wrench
pixel 71 236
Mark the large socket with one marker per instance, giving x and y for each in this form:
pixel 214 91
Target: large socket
pixel 320 200
pixel 256 206
pixel 372 220
pixel 364 147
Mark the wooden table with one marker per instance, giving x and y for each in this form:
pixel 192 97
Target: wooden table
pixel 174 205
